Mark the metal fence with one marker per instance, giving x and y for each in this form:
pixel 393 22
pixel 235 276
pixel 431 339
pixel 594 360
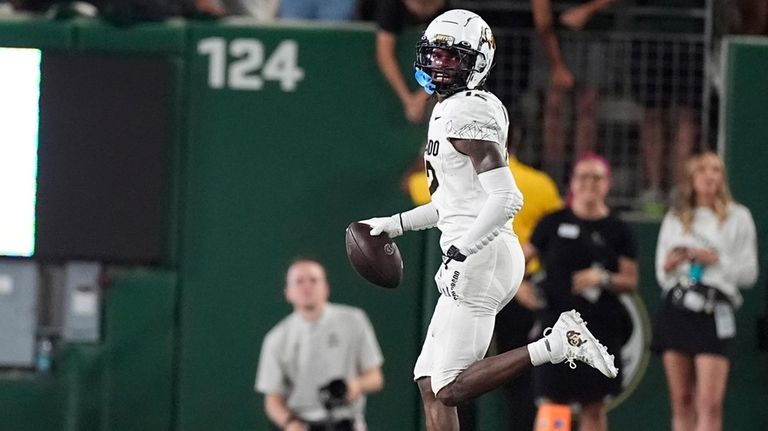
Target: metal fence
pixel 637 100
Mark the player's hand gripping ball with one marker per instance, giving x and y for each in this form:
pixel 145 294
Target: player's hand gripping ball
pixel 376 258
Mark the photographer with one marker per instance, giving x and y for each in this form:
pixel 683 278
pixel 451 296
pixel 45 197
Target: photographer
pixel 707 250
pixel 318 363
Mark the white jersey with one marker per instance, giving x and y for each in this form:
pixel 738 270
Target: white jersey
pixel 453 183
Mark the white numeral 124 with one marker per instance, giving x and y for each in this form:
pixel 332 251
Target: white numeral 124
pixel 242 74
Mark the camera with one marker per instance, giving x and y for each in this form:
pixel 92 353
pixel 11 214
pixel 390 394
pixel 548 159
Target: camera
pixel 333 394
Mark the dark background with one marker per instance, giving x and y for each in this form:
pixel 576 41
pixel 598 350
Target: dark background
pixel 105 132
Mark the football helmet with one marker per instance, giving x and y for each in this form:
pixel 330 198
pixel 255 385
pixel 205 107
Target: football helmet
pixel 454 53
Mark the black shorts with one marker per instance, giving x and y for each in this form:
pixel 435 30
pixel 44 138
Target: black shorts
pixel 584 385
pixel 667 73
pixel 684 331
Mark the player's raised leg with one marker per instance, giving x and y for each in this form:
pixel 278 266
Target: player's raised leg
pixel 569 340
pixel 485 375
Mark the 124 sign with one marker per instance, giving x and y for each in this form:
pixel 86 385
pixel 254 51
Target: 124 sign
pixel 236 64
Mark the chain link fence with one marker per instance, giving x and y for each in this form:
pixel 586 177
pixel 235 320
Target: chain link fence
pixel 637 100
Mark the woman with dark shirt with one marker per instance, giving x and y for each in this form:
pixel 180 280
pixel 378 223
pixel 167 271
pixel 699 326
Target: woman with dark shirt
pixel 588 255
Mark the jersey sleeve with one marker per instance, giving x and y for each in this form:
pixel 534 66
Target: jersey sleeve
pixel 473 115
pixel 269 376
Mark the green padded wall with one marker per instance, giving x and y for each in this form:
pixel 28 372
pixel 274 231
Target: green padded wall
pixel 31 403
pixel 745 128
pixel 27 32
pixel 650 397
pixel 138 352
pixel 273 174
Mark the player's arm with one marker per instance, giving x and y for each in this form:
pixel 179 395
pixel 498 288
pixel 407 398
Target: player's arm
pixel 504 197
pixel 420 218
pixel 278 412
pixel 485 155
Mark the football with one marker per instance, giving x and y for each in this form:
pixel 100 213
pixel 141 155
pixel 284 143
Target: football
pixel 376 258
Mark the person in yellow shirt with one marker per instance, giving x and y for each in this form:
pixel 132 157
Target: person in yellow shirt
pixel 516 320
pixel 540 197
pixel 415 183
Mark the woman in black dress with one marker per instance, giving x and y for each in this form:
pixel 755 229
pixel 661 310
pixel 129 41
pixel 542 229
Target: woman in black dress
pixel 588 255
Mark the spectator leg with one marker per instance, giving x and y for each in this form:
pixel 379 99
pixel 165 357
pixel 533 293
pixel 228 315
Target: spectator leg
pixel 652 142
pixel 586 121
pixel 553 154
pixel 685 141
pixel 680 378
pixel 711 379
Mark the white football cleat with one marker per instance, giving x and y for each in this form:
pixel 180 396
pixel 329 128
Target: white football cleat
pixel 580 345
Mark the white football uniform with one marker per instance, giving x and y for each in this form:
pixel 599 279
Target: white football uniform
pixel 453 183
pixel 461 327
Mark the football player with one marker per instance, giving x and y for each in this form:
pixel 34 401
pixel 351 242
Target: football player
pixel 474 197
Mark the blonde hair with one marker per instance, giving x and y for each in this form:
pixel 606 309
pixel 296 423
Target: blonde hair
pixel 686 199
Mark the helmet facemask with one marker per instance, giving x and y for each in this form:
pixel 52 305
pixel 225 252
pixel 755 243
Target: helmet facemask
pixel 446 69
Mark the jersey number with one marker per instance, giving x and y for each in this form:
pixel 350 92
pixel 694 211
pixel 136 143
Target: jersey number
pixel 433 147
pixel 432 177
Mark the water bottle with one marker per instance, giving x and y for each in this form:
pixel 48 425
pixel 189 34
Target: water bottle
pixel 694 272
pixel 44 352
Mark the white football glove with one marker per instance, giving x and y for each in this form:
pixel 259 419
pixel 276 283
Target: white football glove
pixel 449 277
pixel 390 225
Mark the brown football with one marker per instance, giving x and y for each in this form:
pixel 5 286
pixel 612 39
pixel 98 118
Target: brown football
pixel 376 258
